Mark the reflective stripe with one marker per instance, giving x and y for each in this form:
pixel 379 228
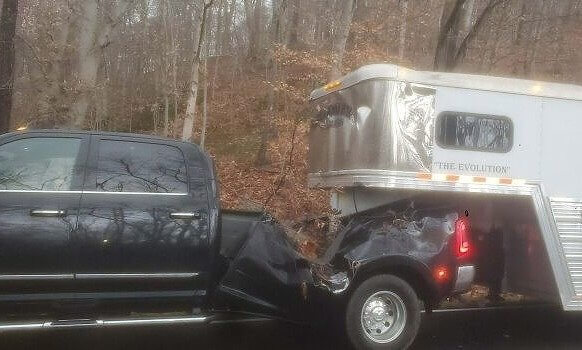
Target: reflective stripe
pixel 470 179
pixel 479 179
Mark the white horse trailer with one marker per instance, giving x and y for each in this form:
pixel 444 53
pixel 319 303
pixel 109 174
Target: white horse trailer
pixel 506 150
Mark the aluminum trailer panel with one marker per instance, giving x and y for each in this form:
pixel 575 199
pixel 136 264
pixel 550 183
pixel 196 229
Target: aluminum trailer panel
pixel 381 127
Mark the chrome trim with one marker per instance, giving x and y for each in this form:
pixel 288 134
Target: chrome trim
pixel 465 276
pixel 194 215
pixel 383 317
pixel 137 193
pixel 35 297
pixel 95 192
pixel 335 283
pixel 48 213
pixel 42 277
pixel 136 275
pixel 568 217
pixel 39 191
pixel 408 181
pixel 22 326
pixel 152 321
pixel 104 323
pixel 533 189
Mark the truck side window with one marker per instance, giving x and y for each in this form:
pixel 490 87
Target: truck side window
pixel 125 166
pixel 38 164
pixel 474 132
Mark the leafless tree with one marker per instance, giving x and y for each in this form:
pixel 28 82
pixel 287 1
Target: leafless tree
pixel 8 20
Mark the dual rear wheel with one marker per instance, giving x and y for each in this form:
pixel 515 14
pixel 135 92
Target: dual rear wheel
pixel 383 313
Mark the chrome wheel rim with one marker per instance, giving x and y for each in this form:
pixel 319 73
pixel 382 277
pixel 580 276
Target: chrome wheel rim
pixel 383 317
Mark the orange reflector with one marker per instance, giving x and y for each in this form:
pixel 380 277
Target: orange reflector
pixel 479 179
pixel 452 177
pixel 505 181
pixel 332 85
pixel 424 176
pixel 441 274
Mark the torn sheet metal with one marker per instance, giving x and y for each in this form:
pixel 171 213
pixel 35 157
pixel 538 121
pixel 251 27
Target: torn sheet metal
pixel 376 124
pixel 397 229
pixel 267 276
pixel 413 124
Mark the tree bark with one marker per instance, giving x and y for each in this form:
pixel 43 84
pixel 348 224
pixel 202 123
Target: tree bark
pixel 403 28
pixel 92 41
pixel 7 56
pixel 342 34
pixel 293 37
pixel 253 14
pixel 188 127
pixel 226 37
pixel 88 62
pixel 474 30
pixel 454 16
pixel 166 114
pixel 51 99
pixel 267 128
pixel 205 106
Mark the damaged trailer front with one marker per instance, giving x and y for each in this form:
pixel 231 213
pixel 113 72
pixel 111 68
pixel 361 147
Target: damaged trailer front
pixel 496 151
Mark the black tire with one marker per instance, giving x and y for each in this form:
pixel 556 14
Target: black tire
pixel 356 332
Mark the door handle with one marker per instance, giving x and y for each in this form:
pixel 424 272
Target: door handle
pixel 193 215
pixel 48 213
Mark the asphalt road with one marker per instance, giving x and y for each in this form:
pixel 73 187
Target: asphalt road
pixel 532 328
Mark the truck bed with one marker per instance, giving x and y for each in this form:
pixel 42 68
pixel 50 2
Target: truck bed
pixel 235 230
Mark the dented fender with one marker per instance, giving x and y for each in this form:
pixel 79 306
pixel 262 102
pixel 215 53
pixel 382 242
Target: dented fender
pixel 403 239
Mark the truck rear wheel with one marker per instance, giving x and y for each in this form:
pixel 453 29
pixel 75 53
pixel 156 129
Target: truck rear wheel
pixel 383 313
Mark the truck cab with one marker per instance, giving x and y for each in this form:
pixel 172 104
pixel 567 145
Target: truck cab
pixel 111 229
pixel 105 220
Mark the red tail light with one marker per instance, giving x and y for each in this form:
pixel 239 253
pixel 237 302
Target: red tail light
pixel 462 238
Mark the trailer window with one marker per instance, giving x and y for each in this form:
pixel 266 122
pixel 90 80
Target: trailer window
pixel 475 132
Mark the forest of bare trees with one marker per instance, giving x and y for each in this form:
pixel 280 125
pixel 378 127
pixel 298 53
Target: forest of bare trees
pixel 237 73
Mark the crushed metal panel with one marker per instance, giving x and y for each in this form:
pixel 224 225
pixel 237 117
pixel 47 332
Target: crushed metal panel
pixel 378 124
pixel 398 229
pixel 267 276
pixel 413 134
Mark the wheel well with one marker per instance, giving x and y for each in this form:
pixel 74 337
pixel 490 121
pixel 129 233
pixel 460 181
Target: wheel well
pixel 417 281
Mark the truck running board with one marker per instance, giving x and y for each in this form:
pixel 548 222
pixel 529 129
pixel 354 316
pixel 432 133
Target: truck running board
pixel 59 324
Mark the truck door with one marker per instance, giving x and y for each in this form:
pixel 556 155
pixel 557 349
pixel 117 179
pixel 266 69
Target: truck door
pixel 40 188
pixel 143 226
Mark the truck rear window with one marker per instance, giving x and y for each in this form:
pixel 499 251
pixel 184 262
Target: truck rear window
pixel 125 166
pixel 474 132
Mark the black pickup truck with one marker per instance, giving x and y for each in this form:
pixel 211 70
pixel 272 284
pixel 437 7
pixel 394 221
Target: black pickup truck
pixel 111 229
